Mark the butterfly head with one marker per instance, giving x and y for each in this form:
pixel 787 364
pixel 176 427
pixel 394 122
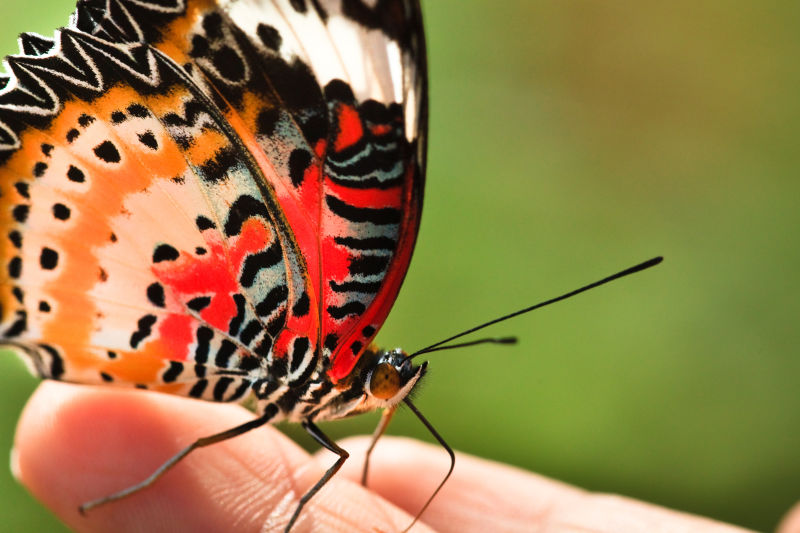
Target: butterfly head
pixel 382 379
pixel 390 377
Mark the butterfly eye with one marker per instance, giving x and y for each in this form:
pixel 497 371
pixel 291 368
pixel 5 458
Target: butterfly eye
pixel 384 381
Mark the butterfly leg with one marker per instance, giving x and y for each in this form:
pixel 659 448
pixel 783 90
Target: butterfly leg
pixel 379 431
pixel 328 444
pixel 199 443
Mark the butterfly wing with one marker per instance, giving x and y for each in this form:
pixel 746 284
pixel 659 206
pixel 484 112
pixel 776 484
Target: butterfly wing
pixel 170 202
pixel 341 116
pixel 363 171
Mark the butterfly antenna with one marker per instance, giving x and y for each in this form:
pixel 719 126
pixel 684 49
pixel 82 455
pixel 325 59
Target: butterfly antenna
pixel 441 344
pixel 501 340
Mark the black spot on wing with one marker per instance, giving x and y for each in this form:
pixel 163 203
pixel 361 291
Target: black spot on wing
pixel 299 348
pixel 149 140
pixel 272 301
pixel 243 208
pixel 355 286
pixel 15 267
pixel 144 329
pixel 368 265
pixel 220 387
pixel 19 326
pixel 199 303
pixel 75 174
pixel 165 252
pixel 379 216
pixel 200 47
pixel 301 306
pixel 223 355
pixel 204 223
pixel 20 213
pixel 216 169
pixel 48 259
pixel 22 189
pixel 236 321
pixel 321 11
pixel 56 361
pixel 255 262
pixel 264 347
pixel 107 152
pixel 228 63
pixel 338 90
pixel 212 25
pixel 296 85
pixel 275 326
pixel 61 212
pixel 248 363
pixel 198 388
pixel 397 24
pixel 138 110
pixel 267 120
pixel 299 160
pixel 155 293
pixel 16 238
pixel 331 341
pixel 204 336
pixel 299 5
pixel 270 37
pixel 350 308
pixel 172 373
pixel 39 169
pixel 250 331
pixel 314 128
pixel 84 120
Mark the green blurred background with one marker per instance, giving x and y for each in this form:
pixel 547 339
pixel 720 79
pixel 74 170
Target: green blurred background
pixel 569 140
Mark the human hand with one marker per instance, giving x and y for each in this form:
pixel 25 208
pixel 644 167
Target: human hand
pixel 77 443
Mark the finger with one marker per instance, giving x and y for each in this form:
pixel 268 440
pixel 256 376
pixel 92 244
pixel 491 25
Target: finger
pixel 479 496
pixel 485 496
pixel 791 522
pixel 75 444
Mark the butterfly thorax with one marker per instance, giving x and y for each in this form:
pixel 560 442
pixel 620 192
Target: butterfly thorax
pixel 380 380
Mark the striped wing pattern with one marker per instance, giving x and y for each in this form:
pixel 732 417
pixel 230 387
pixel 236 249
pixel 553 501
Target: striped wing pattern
pixel 210 198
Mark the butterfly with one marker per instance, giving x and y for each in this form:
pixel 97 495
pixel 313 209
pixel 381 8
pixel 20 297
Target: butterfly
pixel 220 199
pixel 217 199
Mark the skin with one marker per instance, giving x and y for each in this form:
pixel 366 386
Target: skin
pixel 76 443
